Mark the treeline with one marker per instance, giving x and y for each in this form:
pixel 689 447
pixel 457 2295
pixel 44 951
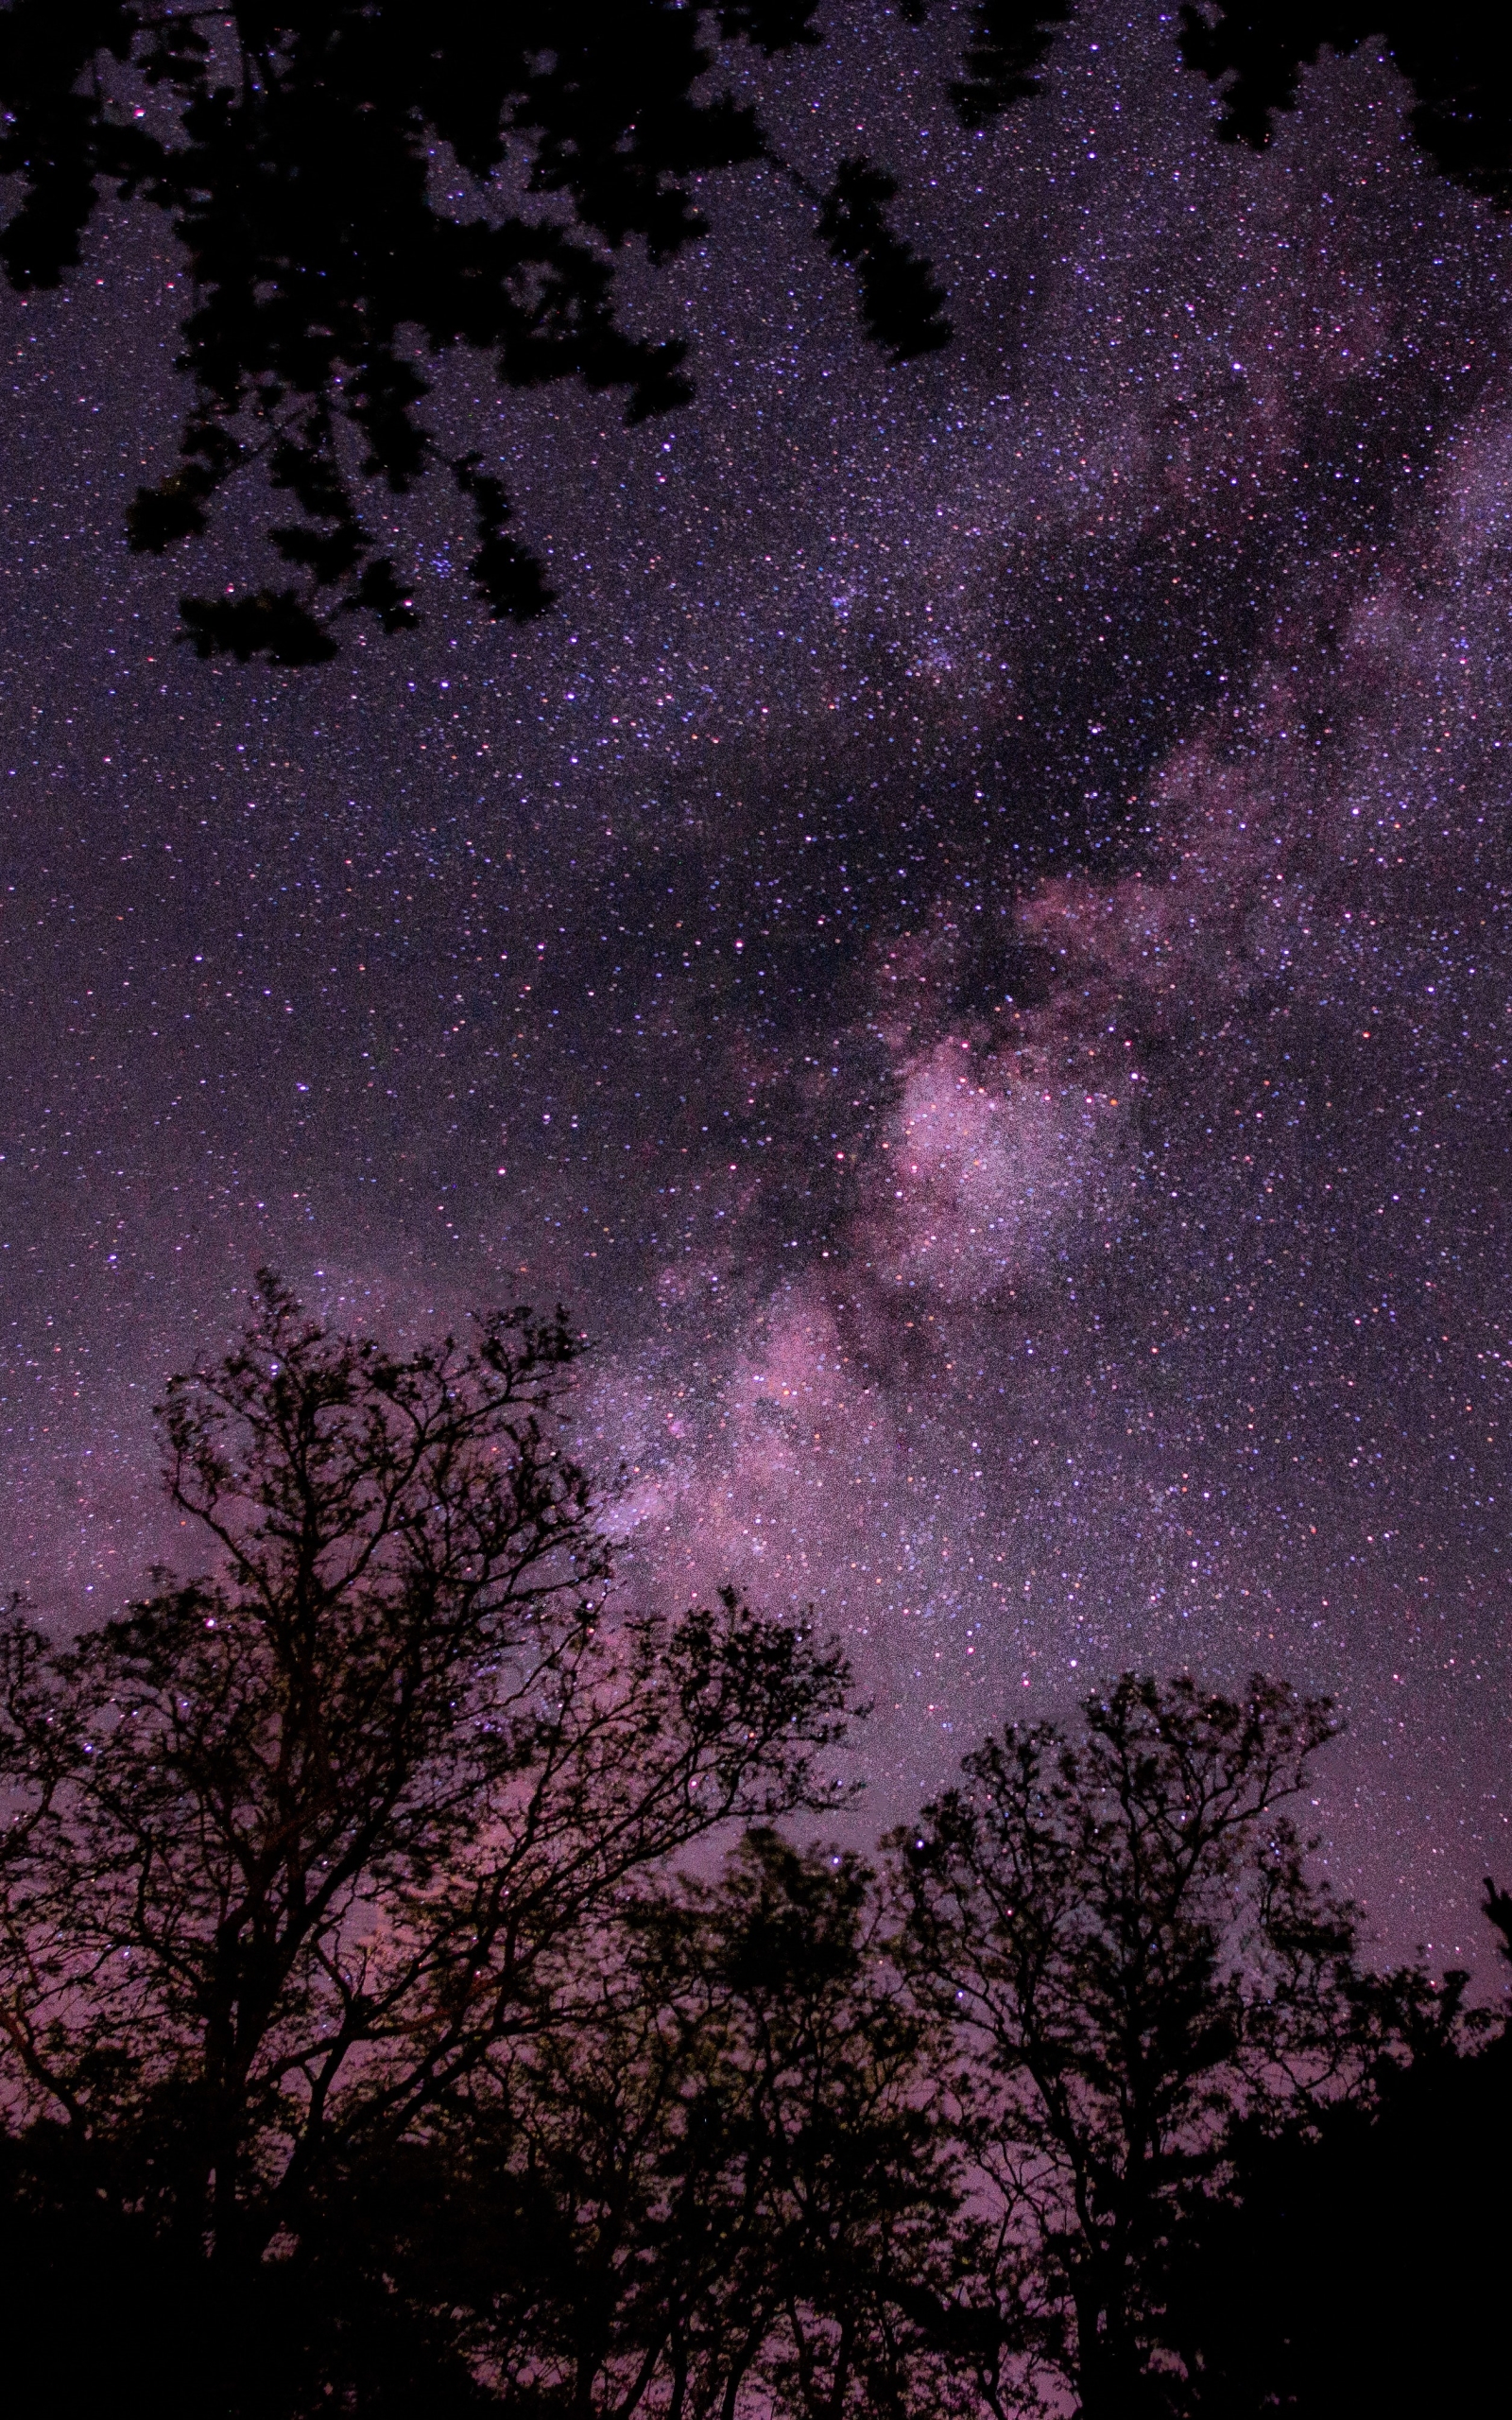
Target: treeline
pixel 368 2045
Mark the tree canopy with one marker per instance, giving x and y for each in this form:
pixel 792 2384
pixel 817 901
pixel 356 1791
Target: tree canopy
pixel 359 190
pixel 365 2043
pixel 298 1847
pixel 1122 1932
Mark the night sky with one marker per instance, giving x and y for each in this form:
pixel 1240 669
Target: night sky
pixel 971 949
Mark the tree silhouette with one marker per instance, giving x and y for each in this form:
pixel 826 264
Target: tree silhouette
pixel 359 190
pixel 303 1852
pixel 1120 1930
pixel 1498 1909
pixel 354 185
pixel 1453 63
pixel 100 2301
pixel 734 2188
pixel 1355 2257
pixel 363 2048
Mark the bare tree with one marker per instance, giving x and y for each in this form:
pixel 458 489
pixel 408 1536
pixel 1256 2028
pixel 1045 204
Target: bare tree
pixel 1123 1934
pixel 735 2193
pixel 300 1850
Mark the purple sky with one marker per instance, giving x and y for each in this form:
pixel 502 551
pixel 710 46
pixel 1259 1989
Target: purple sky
pixel 971 949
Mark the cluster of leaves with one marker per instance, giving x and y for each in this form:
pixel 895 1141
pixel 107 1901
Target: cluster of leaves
pixel 314 1833
pixel 308 159
pixel 1455 66
pixel 315 165
pixel 363 2047
pixel 1144 1981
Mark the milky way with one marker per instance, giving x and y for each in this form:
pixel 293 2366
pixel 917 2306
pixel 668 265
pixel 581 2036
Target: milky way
pixel 971 950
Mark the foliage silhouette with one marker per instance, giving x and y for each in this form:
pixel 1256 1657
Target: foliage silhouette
pixel 1356 2261
pixel 301 1853
pixel 1122 1931
pixel 722 2193
pixel 1455 66
pixel 98 2299
pixel 356 190
pixel 307 160
pixel 363 2048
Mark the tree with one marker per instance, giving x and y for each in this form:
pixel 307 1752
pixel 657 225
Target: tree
pixel 358 2318
pixel 357 2031
pixel 1121 1930
pixel 307 158
pixel 301 1853
pixel 1355 2256
pixel 1457 66
pixel 354 188
pixel 733 2190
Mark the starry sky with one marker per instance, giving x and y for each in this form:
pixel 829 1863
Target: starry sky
pixel 971 949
